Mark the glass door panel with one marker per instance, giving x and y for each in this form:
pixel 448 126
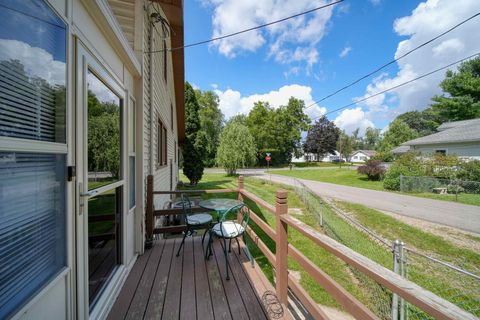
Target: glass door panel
pixel 104 183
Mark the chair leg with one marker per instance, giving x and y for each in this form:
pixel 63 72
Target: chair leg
pixel 230 246
pixel 183 241
pixel 226 256
pixel 206 231
pixel 209 246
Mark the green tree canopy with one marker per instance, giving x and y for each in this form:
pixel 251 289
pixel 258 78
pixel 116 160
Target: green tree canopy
pixel 195 139
pixel 211 122
pixel 322 137
pixel 345 144
pixel 372 138
pixel 236 148
pixel 398 132
pixel 277 129
pixel 424 122
pixel 461 98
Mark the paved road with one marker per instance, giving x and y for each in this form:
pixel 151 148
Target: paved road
pixel 462 216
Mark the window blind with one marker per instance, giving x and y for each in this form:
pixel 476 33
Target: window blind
pixel 32 224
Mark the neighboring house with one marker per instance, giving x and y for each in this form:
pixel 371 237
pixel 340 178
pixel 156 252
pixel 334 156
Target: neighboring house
pixel 461 138
pixel 90 104
pixel 306 157
pixel 362 155
pixel 398 151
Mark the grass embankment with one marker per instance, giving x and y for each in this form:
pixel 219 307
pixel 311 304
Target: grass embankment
pixel 351 178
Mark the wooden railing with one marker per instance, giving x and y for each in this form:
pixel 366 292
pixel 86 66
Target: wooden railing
pixel 414 294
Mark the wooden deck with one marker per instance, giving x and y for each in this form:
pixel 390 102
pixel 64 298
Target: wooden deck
pixel 163 286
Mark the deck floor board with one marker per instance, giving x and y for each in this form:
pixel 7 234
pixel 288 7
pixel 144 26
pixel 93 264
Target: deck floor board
pixel 163 286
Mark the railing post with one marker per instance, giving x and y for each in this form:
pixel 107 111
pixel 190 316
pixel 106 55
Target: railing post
pixel 241 185
pixel 281 267
pixel 149 214
pixel 396 256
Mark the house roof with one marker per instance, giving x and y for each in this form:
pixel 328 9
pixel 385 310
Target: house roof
pixel 400 149
pixel 459 131
pixel 369 153
pixel 454 124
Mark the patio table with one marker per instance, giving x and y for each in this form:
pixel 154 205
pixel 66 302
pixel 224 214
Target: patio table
pixel 220 205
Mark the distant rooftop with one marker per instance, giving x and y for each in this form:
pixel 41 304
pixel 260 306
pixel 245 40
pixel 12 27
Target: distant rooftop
pixel 369 153
pixel 458 131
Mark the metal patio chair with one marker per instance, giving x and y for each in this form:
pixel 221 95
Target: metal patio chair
pixel 229 230
pixel 193 221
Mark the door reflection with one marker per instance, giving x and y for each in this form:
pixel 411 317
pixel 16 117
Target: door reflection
pixel 103 238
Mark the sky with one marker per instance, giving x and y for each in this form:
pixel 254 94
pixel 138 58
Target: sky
pixel 311 56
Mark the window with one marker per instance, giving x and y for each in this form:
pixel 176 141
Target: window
pixel 165 61
pixel 161 144
pixel 441 151
pixel 131 154
pixel 32 181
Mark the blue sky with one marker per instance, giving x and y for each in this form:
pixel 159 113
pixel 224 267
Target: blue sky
pixel 303 57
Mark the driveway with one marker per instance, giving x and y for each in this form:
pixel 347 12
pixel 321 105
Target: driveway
pixel 461 216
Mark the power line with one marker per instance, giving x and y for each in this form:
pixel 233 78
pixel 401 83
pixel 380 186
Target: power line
pixel 393 61
pixel 249 29
pixel 399 85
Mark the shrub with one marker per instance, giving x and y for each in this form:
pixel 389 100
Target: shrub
pixel 385 156
pixel 469 171
pixel 407 165
pixel 373 169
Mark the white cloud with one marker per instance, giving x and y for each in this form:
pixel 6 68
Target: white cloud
pixel 232 102
pixel 375 2
pixel 36 61
pixel 345 52
pixel 429 19
pixel 352 119
pixel 291 41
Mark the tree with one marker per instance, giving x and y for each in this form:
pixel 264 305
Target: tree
pixel 195 140
pixel 211 122
pixel 321 137
pixel 372 138
pixel 236 148
pixel 461 100
pixel 345 145
pixel 424 122
pixel 277 130
pixel 397 133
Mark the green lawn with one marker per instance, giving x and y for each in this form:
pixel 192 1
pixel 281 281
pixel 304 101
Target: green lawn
pixel 350 177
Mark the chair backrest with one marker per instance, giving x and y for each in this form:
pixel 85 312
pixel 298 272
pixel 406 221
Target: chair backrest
pixel 243 209
pixel 186 204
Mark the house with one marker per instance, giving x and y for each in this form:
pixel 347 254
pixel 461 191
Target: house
pixel 335 155
pixel 461 138
pixel 362 155
pixel 91 102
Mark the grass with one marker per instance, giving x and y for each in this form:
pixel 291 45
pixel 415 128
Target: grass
pixel 451 285
pixel 351 178
pixel 321 164
pixel 346 177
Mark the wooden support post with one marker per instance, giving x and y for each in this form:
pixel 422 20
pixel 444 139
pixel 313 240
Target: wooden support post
pixel 241 186
pixel 149 217
pixel 281 267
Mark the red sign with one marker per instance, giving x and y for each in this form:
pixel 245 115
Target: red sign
pixel 268 158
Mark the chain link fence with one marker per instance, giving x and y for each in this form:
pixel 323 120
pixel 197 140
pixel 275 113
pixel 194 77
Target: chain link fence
pixel 454 281
pixel 453 187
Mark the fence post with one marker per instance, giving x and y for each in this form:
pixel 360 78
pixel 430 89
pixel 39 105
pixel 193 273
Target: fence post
pixel 149 214
pixel 281 266
pixel 402 273
pixel 396 252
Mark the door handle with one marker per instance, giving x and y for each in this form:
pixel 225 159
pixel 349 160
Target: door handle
pixel 88 193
